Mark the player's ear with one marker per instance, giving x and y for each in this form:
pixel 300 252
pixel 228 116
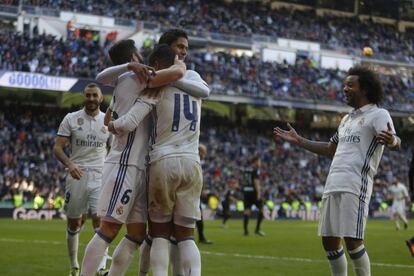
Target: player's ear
pixel 100 97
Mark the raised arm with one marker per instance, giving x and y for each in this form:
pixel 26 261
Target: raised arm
pixel 168 75
pixel 193 84
pixel 111 74
pixel 132 119
pixel 291 136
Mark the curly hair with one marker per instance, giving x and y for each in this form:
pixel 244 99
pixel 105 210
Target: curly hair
pixel 369 82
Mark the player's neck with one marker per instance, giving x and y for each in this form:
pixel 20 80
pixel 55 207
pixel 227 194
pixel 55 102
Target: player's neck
pixel 362 103
pixel 92 113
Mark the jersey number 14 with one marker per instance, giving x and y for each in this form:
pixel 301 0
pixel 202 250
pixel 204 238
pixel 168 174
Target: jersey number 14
pixel 191 116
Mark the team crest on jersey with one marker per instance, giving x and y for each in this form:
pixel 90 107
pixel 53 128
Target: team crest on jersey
pixel 120 210
pixel 361 122
pixel 103 129
pixel 80 121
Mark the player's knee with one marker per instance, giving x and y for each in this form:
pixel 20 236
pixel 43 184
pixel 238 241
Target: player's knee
pixel 331 243
pixel 109 229
pixel 74 224
pixel 96 221
pixel 183 227
pixel 352 243
pixel 136 231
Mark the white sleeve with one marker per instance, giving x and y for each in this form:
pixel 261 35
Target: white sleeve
pixel 110 75
pixel 133 118
pixel 111 104
pixel 193 84
pixel 380 122
pixel 64 127
pixel 405 191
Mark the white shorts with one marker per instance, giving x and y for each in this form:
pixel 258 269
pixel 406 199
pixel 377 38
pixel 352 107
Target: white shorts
pixel 398 207
pixel 343 215
pixel 123 196
pixel 83 193
pixel 174 189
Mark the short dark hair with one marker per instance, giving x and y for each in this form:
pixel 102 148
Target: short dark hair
pixel 170 36
pixel 369 82
pixel 121 52
pixel 91 86
pixel 162 54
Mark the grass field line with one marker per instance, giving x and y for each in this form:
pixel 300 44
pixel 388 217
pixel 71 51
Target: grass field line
pixel 293 259
pixel 223 254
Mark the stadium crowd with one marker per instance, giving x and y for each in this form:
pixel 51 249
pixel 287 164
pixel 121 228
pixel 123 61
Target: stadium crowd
pixel 29 168
pixel 83 57
pixel 41 53
pixel 347 34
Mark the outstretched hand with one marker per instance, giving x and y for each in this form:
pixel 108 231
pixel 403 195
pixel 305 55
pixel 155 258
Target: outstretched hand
pixel 290 135
pixel 386 137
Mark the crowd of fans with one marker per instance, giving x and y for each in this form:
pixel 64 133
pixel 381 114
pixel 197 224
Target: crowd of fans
pixel 83 57
pixel 75 57
pixel 254 18
pixel 28 166
pixel 233 75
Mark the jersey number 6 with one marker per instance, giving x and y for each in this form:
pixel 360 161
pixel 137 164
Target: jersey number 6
pixel 191 116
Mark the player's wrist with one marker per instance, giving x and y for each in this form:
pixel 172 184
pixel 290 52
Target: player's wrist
pixel 394 142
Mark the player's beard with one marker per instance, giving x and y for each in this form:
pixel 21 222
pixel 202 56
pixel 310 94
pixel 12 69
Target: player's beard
pixel 91 106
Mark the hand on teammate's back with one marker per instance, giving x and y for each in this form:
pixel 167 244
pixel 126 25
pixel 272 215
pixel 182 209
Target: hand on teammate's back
pixel 143 72
pixel 75 171
pixel 290 135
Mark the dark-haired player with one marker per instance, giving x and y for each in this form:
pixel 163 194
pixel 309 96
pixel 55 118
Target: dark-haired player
pixel 123 195
pixel 175 172
pixel 88 137
pixel 356 148
pixel 250 182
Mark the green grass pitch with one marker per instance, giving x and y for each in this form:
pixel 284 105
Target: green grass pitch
pixel 289 248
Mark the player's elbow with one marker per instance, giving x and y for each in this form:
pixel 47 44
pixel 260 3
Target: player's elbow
pixel 56 149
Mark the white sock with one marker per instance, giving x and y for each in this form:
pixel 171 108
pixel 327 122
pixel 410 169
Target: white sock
pixel 337 262
pixel 190 257
pixel 144 257
pixel 176 266
pixel 102 263
pixel 94 252
pixel 123 255
pixel 72 241
pixel 159 256
pixel 360 261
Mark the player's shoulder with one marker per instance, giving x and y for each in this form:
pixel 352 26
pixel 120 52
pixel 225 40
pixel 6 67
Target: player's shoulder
pixel 379 111
pixel 75 114
pixel 191 74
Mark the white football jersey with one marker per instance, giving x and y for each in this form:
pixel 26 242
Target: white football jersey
pixel 129 148
pixel 399 192
pixel 358 153
pixel 89 138
pixel 177 125
pixel 176 119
